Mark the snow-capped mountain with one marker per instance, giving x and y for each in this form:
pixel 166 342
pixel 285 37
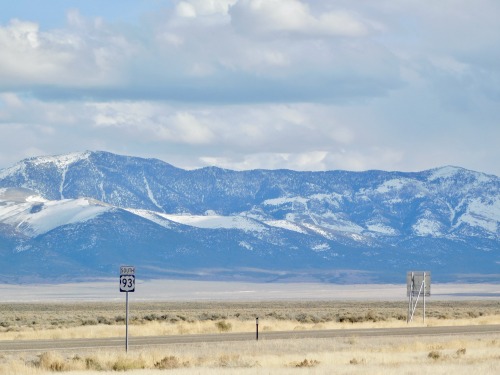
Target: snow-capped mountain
pixel 83 214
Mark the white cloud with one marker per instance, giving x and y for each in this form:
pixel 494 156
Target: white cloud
pixel 187 128
pixel 269 16
pixel 195 8
pixel 91 58
pixel 23 55
pixel 82 56
pixel 149 122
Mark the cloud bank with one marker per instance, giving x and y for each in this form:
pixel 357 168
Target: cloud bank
pixel 395 85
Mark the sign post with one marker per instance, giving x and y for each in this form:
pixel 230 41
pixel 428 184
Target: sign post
pixel 257 328
pixel 127 284
pixel 418 283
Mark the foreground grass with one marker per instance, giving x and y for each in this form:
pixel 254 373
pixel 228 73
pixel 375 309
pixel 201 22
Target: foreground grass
pixel 354 355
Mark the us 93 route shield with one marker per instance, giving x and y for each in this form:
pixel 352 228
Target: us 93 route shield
pixel 127 279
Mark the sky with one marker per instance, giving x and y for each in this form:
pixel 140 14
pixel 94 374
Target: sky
pixel 402 85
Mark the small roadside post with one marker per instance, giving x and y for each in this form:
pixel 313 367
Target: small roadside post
pixel 127 284
pixel 257 328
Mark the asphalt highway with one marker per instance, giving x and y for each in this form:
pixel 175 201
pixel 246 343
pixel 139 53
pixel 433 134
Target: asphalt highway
pixel 155 341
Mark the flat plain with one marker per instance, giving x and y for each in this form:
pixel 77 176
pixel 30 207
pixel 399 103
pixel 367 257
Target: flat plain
pixel 352 355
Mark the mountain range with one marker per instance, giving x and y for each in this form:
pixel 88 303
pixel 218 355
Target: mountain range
pixel 80 216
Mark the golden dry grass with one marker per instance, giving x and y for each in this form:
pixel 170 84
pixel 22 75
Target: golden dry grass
pixel 355 355
pixel 201 327
pixel 105 319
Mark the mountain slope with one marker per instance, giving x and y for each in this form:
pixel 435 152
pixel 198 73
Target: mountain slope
pixel 91 211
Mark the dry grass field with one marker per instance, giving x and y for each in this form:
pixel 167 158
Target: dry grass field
pixel 354 355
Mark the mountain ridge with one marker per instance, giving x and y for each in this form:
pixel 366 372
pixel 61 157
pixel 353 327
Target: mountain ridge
pixel 370 225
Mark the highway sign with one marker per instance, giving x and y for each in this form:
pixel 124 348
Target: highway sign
pixel 127 283
pixel 127 279
pixel 127 270
pixel 418 282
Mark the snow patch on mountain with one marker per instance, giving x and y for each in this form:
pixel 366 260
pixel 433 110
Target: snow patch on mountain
pixel 321 247
pixel 61 161
pixel 357 237
pixel 485 215
pixel 246 245
pixel 333 199
pixel 151 195
pixel 34 216
pixel 318 230
pixel 285 224
pixel 64 212
pixel 285 200
pixel 340 224
pixel 382 229
pixel 395 184
pixel 35 198
pixel 217 222
pixel 155 217
pixel 427 227
pixel 486 209
pixel 14 170
pixel 443 173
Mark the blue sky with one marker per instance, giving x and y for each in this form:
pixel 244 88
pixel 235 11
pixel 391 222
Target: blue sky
pixel 242 84
pixel 53 13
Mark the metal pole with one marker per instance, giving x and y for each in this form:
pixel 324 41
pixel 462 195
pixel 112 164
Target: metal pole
pixel 257 329
pixel 416 302
pixel 126 324
pixel 412 290
pixel 424 298
pixel 410 300
pixel 408 311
